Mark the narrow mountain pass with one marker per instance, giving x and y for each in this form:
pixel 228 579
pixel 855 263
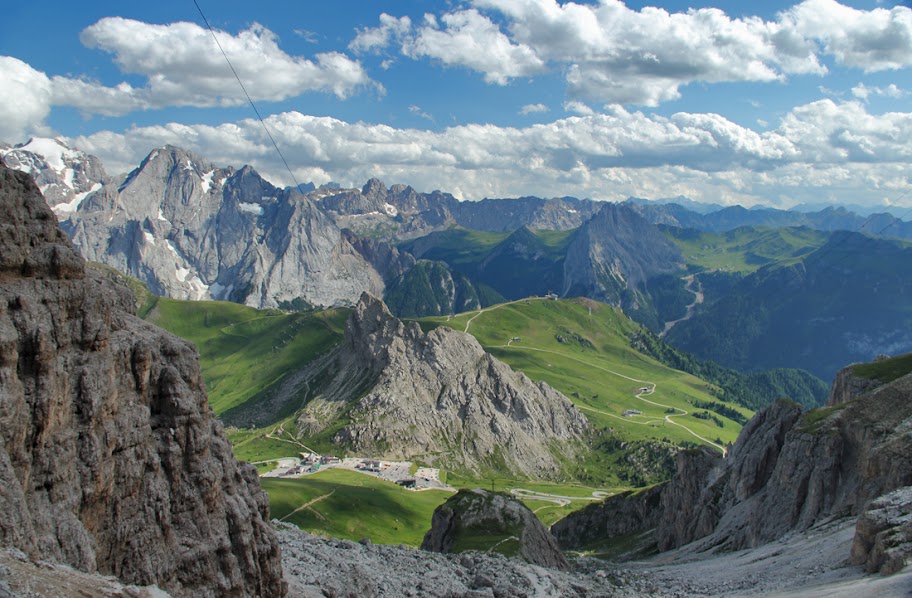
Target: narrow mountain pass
pixel 692 308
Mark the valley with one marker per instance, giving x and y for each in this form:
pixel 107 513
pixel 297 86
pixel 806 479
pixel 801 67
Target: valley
pixel 566 408
pixel 639 408
pixel 436 299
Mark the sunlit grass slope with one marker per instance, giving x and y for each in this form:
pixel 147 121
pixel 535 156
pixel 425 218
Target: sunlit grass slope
pixel 581 348
pixel 347 504
pixel 243 351
pixel 745 249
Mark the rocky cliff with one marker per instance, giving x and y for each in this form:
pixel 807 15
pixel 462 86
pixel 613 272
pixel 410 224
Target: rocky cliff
pixel 392 390
pixel 110 458
pixel 789 471
pixel 621 515
pixel 191 230
pixel 492 521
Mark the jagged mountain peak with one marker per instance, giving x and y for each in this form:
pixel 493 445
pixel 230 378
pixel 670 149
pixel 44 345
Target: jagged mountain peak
pixel 65 176
pixel 614 255
pixel 374 188
pixel 372 320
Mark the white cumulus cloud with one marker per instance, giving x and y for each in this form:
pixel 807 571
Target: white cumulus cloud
pixel 863 92
pixel 613 54
pixel 873 40
pixel 533 109
pixel 822 149
pixel 184 66
pixel 25 95
pixel 472 40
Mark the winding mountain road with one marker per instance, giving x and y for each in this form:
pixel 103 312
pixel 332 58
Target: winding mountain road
pixel 648 388
pixel 698 299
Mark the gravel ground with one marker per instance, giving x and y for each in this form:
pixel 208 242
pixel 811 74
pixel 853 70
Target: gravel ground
pixel 814 563
pixel 810 565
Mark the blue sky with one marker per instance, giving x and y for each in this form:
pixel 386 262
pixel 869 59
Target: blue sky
pixel 730 102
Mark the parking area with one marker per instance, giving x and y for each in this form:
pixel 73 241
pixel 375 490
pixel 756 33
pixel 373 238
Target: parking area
pixel 398 472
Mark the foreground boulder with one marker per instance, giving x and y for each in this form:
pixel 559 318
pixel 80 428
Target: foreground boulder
pixel 492 522
pixel 110 458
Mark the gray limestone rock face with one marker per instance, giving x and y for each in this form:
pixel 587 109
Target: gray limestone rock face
pixel 440 394
pixel 191 230
pixel 883 534
pixel 847 386
pixel 437 395
pixel 110 458
pixel 387 260
pixel 614 254
pixel 471 513
pixel 789 471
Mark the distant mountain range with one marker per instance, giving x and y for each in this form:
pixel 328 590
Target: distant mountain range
pixel 188 229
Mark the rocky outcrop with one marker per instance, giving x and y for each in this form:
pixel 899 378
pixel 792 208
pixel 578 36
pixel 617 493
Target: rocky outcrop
pixel 620 515
pixel 883 535
pixel 789 471
pixel 110 458
pixel 507 525
pixel 441 396
pixel 394 391
pixel 847 385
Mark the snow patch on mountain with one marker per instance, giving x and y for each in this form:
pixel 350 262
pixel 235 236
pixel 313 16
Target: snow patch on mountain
pixel 207 181
pixel 71 206
pixel 52 150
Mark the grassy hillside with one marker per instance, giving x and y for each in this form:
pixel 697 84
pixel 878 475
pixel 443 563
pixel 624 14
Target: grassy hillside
pixel 744 249
pixel 347 504
pixel 885 370
pixel 582 349
pixel 243 351
pixel 456 246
